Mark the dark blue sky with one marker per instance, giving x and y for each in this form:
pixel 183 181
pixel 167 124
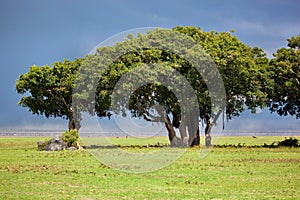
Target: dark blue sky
pixel 42 32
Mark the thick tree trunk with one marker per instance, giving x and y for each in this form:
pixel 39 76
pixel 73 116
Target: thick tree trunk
pixel 176 120
pixel 193 128
pixel 189 131
pixel 196 140
pixel 174 140
pixel 74 117
pixel 182 126
pixel 183 134
pixel 74 122
pixel 71 124
pixel 188 128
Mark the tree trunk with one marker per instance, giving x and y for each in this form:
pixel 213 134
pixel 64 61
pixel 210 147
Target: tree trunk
pixel 193 128
pixel 209 126
pixel 207 133
pixel 71 124
pixel 171 131
pixel 191 125
pixel 74 122
pixel 174 141
pixel 74 125
pixel 74 117
pixel 196 140
pixel 183 134
pixel 182 126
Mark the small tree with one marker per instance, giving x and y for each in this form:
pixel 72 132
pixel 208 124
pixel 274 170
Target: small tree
pixel 48 91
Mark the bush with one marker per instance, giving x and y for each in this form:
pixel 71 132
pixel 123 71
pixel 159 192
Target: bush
pixel 289 142
pixel 71 138
pixel 41 145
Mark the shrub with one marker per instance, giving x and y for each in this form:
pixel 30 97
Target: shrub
pixel 289 142
pixel 41 145
pixel 71 138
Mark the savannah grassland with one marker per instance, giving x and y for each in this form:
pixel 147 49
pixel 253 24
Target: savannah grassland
pixel 225 173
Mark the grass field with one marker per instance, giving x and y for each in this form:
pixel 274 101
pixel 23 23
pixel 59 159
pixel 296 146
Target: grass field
pixel 225 173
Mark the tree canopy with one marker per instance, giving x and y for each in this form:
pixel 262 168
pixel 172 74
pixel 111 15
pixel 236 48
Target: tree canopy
pixel 242 70
pixel 48 90
pixel 285 73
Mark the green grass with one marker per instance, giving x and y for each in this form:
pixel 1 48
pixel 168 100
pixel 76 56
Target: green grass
pixel 225 173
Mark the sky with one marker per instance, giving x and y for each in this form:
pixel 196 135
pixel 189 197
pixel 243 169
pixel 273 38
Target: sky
pixel 40 32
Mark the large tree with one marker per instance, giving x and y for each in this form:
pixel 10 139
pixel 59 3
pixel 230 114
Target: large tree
pixel 60 91
pixel 110 64
pixel 242 68
pixel 285 73
pixel 48 91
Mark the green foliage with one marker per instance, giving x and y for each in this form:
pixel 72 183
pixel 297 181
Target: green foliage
pixel 48 90
pixel 71 138
pixel 294 42
pixel 242 68
pixel 285 73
